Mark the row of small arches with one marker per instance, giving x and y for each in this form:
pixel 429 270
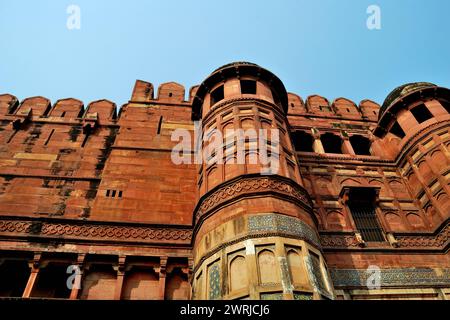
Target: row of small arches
pixel 332 143
pixel 336 221
pixel 268 272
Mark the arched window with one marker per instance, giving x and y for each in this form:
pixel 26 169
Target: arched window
pixel 238 274
pixel 248 87
pixel 362 204
pixel 302 141
pixel 421 113
pixel 331 143
pixel 361 145
pixel 267 267
pixel 397 130
pixel 296 267
pixel 217 95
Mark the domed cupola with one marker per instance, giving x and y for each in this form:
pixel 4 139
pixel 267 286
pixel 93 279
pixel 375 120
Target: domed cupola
pixel 413 98
pixel 234 79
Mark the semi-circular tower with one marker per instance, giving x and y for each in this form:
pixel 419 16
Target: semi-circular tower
pixel 255 236
pixel 414 120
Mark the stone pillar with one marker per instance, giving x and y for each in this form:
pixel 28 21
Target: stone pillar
pixel 406 120
pixel 375 147
pixel 191 278
pixel 252 263
pixel 78 277
pixel 347 146
pixel 162 277
pixel 317 144
pixel 286 281
pixel 435 108
pixel 34 266
pixel 120 268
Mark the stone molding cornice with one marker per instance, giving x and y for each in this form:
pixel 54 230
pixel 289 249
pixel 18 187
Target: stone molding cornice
pixel 249 186
pixel 437 241
pixel 71 230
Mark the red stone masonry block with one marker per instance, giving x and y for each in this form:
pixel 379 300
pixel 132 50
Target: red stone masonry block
pixel 39 106
pixel 346 108
pixel 105 110
pixel 142 92
pixel 69 108
pixel 171 92
pixel 369 109
pixel 7 103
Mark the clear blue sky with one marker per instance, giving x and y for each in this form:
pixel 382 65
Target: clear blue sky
pixel 315 47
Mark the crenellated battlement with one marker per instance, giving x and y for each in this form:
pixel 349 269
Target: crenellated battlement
pixel 173 94
pixel 169 92
pixel 317 105
pixel 68 109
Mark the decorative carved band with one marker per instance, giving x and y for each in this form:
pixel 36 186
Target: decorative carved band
pixel 283 225
pixel 251 184
pixel 438 241
pixel 266 226
pixel 89 231
pixel 339 241
pixel 391 277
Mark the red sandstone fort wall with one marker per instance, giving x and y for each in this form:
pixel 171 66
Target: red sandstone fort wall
pixel 95 186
